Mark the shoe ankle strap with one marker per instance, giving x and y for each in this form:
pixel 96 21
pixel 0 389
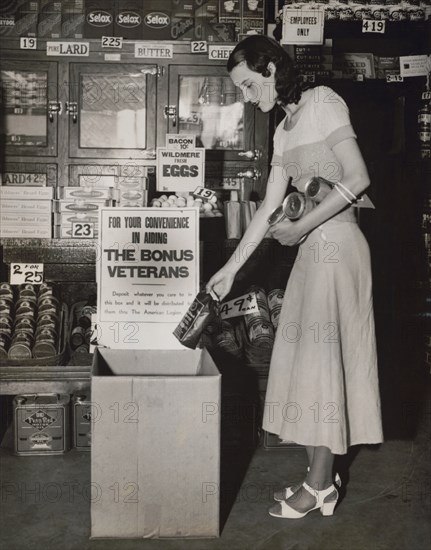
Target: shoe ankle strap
pixel 316 493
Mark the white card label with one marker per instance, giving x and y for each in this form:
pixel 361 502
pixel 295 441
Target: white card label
pixel 243 305
pixel 370 25
pixel 82 230
pixel 112 42
pixel 198 46
pixel 26 273
pixel 27 43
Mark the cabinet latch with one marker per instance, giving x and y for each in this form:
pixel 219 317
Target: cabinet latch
pixel 251 155
pixel 251 174
pixel 170 111
pixel 54 108
pixel 72 109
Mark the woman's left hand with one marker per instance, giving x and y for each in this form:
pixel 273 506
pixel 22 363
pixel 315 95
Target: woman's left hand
pixel 287 233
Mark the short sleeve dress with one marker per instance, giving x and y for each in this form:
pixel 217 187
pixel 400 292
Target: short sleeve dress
pixel 323 382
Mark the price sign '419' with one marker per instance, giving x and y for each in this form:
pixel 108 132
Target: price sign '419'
pixel 26 273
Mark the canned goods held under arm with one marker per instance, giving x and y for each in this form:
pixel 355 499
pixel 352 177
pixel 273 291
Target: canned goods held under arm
pixel 294 206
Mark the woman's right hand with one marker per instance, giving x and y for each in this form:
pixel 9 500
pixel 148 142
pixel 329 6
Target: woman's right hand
pixel 221 282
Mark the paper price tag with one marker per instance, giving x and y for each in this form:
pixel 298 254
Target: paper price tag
pixel 394 78
pixel 240 306
pixel 82 230
pixel 198 46
pixel 426 95
pixel 370 25
pixel 112 42
pixel 26 273
pixel 203 193
pixel 27 43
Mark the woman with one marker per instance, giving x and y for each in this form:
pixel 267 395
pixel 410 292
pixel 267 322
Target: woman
pixel 323 385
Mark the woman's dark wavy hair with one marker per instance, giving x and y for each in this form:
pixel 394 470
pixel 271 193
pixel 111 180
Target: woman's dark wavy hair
pixel 257 51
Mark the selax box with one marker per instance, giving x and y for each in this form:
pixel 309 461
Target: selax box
pixel 157 21
pixel 99 18
pixel 156 441
pixel 128 20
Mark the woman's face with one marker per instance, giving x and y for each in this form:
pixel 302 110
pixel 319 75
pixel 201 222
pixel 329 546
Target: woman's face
pixel 256 88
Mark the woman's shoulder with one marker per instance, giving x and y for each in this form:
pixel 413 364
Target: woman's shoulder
pixel 323 94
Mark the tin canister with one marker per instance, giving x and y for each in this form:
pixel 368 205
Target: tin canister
pixel 296 205
pixel 6 307
pixel 49 320
pixel 77 337
pixel 48 305
pixel 293 207
pixel 25 307
pixel 275 301
pixel 317 188
pixel 27 290
pixel 25 324
pixel 81 421
pixel 6 290
pixel 21 346
pixel 41 424
pixel 45 344
pixel 47 289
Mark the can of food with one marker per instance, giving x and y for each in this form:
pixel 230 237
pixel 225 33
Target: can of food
pixel 6 307
pixel 296 205
pixel 27 290
pixel 81 421
pixel 6 321
pixel 77 337
pixel 317 188
pixel 48 305
pixel 46 332
pixel 21 345
pixel 84 318
pixel 275 301
pixel 44 347
pixel 6 290
pixel 47 289
pixel 260 332
pixel 25 307
pixel 84 348
pixel 262 302
pixel 41 424
pixel 5 339
pixel 25 324
pixel 49 320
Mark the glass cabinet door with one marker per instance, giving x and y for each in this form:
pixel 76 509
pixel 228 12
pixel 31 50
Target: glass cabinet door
pixel 112 112
pixel 203 101
pixel 29 108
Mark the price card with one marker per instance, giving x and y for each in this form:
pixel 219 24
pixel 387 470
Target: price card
pixel 82 230
pixel 26 273
pixel 112 42
pixel 394 78
pixel 198 46
pixel 426 95
pixel 240 306
pixel 27 43
pixel 203 193
pixel 370 25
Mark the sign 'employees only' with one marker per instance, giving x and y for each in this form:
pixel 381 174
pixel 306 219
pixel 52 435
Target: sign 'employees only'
pixel 303 26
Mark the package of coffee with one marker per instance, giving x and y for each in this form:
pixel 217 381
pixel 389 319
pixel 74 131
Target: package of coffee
pixel 203 310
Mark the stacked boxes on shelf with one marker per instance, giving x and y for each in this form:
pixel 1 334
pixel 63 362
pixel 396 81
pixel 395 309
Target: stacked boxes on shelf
pixel 77 210
pixel 210 20
pixel 26 211
pixel 315 61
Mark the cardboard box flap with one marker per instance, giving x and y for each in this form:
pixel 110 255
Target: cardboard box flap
pixel 186 362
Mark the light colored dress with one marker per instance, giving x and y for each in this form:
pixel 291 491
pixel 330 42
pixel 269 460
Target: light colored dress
pixel 323 382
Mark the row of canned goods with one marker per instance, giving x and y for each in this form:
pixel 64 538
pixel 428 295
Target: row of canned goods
pixel 50 423
pixel 261 325
pixel 82 331
pixel 29 321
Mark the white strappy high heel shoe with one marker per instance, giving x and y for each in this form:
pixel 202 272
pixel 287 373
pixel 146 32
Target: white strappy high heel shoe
pixel 326 501
pixel 287 492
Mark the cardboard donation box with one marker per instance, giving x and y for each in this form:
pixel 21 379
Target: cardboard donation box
pixel 155 457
